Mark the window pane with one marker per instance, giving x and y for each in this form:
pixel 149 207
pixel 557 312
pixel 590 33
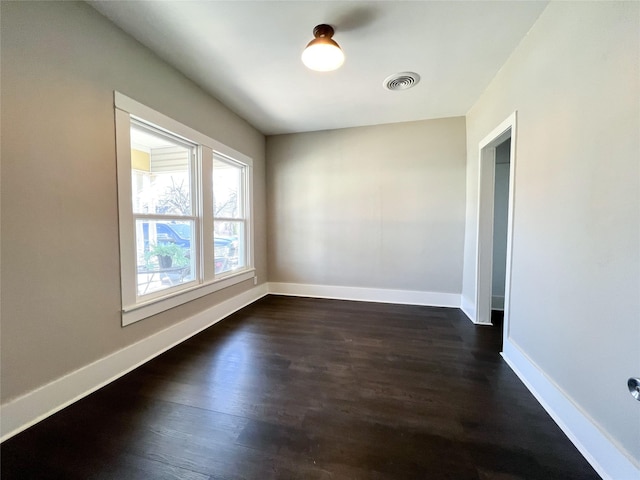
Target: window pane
pixel 160 173
pixel 228 246
pixel 164 254
pixel 227 189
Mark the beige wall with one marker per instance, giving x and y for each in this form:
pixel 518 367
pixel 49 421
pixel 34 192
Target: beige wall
pixel 61 62
pixel 378 207
pixel 575 306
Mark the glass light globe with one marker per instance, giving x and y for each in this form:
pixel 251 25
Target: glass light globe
pixel 323 55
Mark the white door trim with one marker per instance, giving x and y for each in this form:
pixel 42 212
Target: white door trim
pixel 484 239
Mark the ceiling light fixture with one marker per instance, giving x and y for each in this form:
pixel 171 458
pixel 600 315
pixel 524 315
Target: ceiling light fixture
pixel 323 54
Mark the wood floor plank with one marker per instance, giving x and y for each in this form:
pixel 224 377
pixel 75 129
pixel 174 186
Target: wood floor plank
pixel 306 388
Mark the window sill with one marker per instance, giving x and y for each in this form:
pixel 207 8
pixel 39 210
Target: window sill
pixel 134 313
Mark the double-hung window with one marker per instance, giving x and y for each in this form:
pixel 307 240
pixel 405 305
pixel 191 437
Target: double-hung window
pixel 184 212
pixel 229 214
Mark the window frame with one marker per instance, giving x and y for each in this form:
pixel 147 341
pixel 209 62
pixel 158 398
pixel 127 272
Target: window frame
pixel 243 217
pixel 194 189
pixel 134 307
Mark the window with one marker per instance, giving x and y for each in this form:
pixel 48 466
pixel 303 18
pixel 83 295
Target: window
pixel 228 215
pixel 184 207
pixel 162 171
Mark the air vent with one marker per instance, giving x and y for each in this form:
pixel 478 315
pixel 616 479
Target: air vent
pixel 401 81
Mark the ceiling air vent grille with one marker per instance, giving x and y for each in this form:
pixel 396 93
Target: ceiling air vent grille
pixel 401 81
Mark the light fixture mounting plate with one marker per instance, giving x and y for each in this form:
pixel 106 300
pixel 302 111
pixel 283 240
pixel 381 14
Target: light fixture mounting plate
pixel 323 30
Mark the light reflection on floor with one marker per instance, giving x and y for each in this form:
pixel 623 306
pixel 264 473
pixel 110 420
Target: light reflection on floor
pixel 230 372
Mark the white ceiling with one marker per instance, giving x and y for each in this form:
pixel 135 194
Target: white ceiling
pixel 247 55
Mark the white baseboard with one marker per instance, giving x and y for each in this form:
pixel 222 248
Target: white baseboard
pixel 379 295
pixel 22 412
pixel 609 460
pixel 469 308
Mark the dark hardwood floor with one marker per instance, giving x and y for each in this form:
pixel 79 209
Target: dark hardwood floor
pixel 299 388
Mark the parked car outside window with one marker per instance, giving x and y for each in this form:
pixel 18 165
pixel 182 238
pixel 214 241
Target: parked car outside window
pixel 225 249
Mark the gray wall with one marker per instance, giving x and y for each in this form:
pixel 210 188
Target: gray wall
pixel 500 217
pixel 575 306
pixel 61 62
pixel 377 207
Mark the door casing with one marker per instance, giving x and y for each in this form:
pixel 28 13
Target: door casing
pixel 484 240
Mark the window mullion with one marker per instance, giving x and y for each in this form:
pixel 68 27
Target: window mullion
pixel 247 182
pixel 206 182
pixel 196 210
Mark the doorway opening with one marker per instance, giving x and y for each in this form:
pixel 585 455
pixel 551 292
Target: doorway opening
pixel 495 223
pixel 500 216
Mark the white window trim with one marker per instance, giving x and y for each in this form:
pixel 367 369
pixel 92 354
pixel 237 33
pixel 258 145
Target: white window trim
pixel 134 310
